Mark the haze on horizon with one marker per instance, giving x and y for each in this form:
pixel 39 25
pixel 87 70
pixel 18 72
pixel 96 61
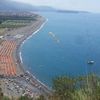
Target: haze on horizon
pixel 84 5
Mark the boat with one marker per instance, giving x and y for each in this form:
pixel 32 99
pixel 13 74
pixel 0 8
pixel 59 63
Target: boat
pixel 91 62
pixel 54 37
pixel 52 34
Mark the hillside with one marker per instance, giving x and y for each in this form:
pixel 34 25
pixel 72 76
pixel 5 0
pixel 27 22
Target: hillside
pixel 6 5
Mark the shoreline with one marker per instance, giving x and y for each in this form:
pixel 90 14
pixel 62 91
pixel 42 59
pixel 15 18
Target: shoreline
pixel 30 36
pixel 20 54
pixel 16 38
pixel 45 88
pixel 28 32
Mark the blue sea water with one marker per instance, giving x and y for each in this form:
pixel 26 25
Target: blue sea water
pixel 78 38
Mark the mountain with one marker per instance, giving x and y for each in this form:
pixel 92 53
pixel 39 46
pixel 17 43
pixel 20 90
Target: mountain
pixel 72 11
pixel 12 5
pixel 7 5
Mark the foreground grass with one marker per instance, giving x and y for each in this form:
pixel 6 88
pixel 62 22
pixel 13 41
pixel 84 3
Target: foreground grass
pixel 80 88
pixel 68 88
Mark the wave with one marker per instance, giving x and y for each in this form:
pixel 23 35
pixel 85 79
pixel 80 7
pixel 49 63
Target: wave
pixel 20 54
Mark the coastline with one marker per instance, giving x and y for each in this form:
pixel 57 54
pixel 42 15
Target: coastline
pixel 14 68
pixel 27 33
pixel 20 54
pixel 44 87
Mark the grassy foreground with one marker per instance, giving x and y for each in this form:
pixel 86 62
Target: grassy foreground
pixel 67 88
pixel 80 88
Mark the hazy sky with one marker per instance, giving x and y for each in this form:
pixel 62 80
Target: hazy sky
pixel 87 5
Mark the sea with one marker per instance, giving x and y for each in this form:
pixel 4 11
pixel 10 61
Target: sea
pixel 64 46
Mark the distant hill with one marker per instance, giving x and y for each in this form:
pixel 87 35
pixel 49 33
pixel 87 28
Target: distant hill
pixel 16 6
pixel 7 5
pixel 71 11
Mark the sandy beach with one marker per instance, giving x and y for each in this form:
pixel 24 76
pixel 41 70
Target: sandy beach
pixel 19 36
pixel 10 55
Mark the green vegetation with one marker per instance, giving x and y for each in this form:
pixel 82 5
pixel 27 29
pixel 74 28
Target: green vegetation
pixel 67 88
pixel 14 21
pixel 81 88
pixel 17 17
pixel 64 87
pixel 25 98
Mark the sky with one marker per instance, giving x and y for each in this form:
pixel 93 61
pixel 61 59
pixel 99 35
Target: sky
pixel 85 5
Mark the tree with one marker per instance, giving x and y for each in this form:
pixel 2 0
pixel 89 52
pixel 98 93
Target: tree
pixel 25 98
pixel 64 87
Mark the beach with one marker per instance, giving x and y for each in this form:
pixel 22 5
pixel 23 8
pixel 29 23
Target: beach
pixel 10 55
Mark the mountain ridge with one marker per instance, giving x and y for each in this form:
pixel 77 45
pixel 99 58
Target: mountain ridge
pixel 6 5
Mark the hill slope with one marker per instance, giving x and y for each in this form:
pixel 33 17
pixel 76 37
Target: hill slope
pixel 16 6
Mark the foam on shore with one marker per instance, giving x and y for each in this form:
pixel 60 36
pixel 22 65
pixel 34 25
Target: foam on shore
pixel 42 84
pixel 20 54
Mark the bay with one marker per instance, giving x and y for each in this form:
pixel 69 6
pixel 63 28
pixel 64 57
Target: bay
pixel 76 40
